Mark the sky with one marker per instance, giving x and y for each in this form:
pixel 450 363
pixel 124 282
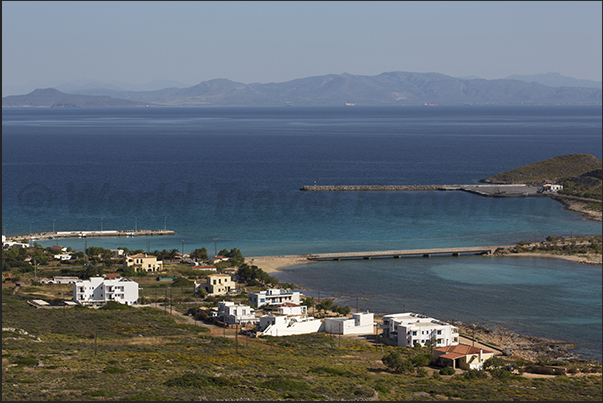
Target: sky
pixel 48 43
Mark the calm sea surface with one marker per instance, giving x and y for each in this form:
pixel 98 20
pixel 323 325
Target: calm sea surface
pixel 230 178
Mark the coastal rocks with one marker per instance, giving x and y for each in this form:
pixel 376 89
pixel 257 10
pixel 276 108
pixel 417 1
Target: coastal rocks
pixel 527 347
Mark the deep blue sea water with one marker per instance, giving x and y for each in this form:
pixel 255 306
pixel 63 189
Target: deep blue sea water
pixel 233 174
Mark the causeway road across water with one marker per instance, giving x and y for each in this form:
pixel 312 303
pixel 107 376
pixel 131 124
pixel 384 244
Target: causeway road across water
pixel 470 250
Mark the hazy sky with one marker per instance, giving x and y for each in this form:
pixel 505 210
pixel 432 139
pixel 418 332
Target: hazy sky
pixel 189 42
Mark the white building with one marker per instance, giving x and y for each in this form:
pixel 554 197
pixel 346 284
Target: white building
pixel 64 280
pixel 13 244
pixel 552 188
pixel 408 329
pixel 359 323
pixel 274 297
pixel 63 256
pixel 290 320
pixel 99 291
pixel 237 313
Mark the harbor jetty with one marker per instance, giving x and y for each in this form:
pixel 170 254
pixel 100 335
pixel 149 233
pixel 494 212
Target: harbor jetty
pixel 489 190
pixel 95 234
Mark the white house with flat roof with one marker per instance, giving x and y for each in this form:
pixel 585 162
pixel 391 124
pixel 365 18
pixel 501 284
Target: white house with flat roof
pixel 359 323
pixel 275 296
pixel 408 329
pixel 99 291
pixel 234 313
pixel 288 325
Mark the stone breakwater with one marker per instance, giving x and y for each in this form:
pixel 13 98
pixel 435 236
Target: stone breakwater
pixel 93 234
pixel 369 188
pixel 498 190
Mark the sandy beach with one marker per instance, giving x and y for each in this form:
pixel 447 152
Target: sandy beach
pixel 272 264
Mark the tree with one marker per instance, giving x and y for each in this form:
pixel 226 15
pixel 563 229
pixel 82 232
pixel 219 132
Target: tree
pixel 173 254
pixel 128 271
pixel 325 304
pixel 421 360
pixel 494 362
pixel 235 257
pixel 394 361
pixel 308 301
pixel 94 250
pixel 200 254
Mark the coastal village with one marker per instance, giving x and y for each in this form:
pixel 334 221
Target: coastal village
pixel 200 327
pixel 276 312
pixel 221 327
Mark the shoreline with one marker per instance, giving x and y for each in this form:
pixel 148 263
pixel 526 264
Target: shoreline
pixel 527 347
pixel 272 264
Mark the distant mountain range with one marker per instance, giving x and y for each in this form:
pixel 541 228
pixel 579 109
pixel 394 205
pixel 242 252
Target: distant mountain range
pixel 556 80
pixel 392 88
pixel 51 98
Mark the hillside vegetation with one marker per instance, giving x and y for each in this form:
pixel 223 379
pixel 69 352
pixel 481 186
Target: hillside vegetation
pixel 553 170
pixel 146 354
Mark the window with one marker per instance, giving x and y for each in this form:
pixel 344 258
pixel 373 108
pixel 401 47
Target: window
pixel 414 333
pixel 439 332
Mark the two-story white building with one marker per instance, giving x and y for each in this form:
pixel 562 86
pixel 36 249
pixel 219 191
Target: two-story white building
pixel 144 262
pixel 408 329
pixel 99 291
pixel 274 297
pixel 233 313
pixel 216 284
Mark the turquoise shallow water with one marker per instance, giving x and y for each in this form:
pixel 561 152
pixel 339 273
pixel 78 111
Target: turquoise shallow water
pixel 234 174
pixel 539 296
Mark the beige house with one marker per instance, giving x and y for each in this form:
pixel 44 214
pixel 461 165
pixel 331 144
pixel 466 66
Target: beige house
pixel 216 284
pixel 142 261
pixel 462 356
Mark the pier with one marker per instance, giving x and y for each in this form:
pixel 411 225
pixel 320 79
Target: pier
pixel 489 190
pixel 396 254
pixel 95 234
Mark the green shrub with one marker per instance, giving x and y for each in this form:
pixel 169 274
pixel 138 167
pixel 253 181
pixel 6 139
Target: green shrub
pixel 26 361
pixel 394 361
pixel 199 381
pixel 114 306
pixel 115 370
pixel 420 360
pixel 285 383
pixel 447 371
pixel 500 373
pixel 422 372
pixel 475 374
pixel 494 362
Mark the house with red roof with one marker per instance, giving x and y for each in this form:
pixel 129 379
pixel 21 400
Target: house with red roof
pixel 462 356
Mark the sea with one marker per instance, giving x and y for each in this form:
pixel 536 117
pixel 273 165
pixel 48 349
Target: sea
pixel 230 177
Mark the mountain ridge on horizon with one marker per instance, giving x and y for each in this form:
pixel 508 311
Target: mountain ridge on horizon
pixel 388 88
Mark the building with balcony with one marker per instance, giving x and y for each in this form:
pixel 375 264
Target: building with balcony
pixel 274 297
pixel 99 291
pixel 216 284
pixel 144 262
pixel 408 329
